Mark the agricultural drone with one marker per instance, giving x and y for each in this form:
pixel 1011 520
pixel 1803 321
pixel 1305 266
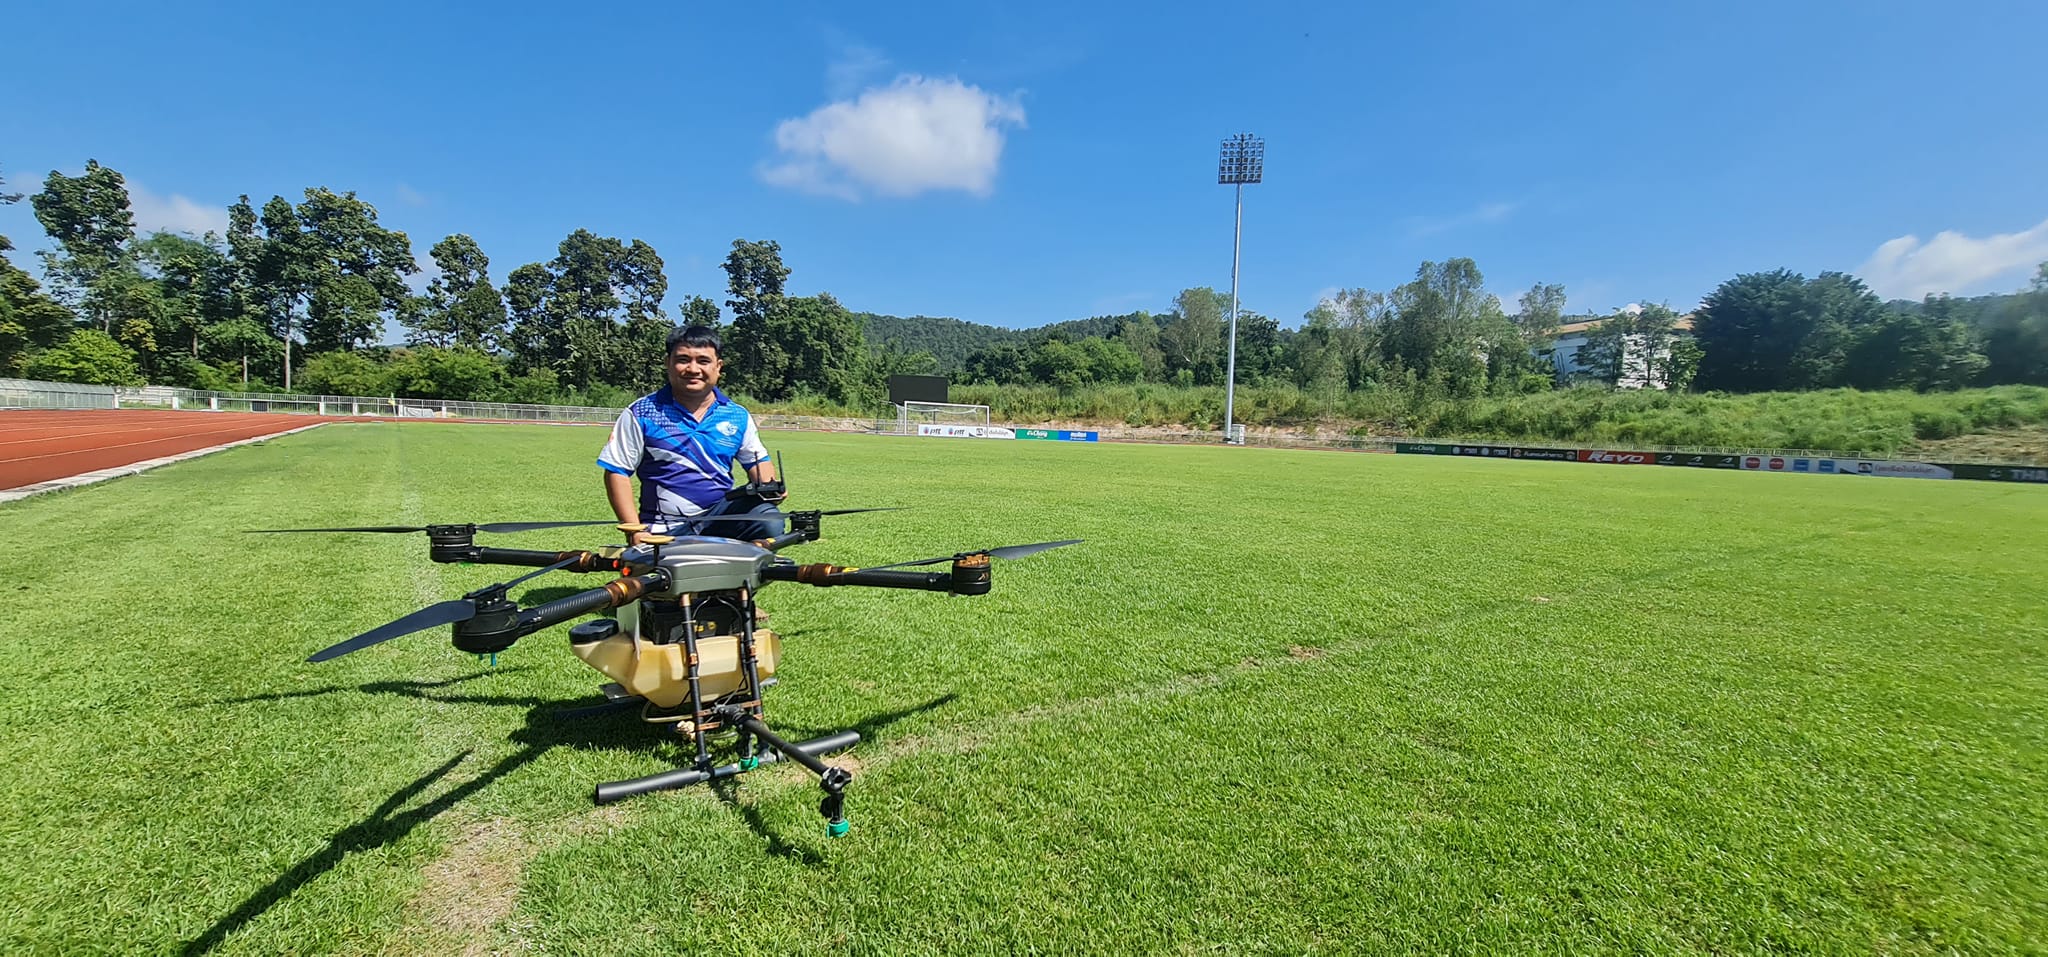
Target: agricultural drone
pixel 685 644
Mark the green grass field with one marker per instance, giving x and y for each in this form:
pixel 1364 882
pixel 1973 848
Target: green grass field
pixel 1278 702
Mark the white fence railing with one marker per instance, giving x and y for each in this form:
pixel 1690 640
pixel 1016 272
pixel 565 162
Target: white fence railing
pixel 28 394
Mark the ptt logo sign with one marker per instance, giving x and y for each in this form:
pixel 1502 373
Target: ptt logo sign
pixel 1617 458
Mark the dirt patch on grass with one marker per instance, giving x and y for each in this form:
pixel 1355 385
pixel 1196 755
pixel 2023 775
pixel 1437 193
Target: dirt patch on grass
pixel 471 889
pixel 1306 653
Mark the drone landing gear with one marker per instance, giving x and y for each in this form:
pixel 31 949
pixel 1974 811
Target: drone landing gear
pixel 832 780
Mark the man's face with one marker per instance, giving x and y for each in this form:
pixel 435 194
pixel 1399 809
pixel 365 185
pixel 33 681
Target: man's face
pixel 693 370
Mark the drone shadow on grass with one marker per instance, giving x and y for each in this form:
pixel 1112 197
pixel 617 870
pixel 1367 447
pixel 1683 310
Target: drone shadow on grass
pixel 548 725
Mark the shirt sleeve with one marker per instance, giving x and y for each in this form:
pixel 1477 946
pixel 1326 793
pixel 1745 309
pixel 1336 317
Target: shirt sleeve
pixel 751 449
pixel 622 454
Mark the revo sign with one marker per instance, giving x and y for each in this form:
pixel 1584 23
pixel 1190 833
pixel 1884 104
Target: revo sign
pixel 1617 458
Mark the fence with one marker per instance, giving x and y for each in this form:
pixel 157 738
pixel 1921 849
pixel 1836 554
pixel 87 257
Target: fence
pixel 26 394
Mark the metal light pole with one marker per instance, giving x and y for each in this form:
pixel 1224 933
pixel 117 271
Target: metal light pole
pixel 1243 161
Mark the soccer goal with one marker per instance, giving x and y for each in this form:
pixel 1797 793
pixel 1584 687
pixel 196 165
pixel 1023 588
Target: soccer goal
pixel 911 415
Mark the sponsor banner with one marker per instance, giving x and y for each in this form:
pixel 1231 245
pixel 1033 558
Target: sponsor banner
pixel 1909 470
pixel 1770 463
pixel 1057 435
pixel 1617 458
pixel 1484 451
pixel 1999 473
pixel 1551 455
pixel 1421 448
pixel 966 431
pixel 1699 460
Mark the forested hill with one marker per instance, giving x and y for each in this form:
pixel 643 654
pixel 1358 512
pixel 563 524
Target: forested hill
pixel 951 341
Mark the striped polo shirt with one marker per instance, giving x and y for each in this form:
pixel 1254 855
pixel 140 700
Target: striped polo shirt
pixel 684 464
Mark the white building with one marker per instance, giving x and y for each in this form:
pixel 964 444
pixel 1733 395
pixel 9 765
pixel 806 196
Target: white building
pixel 1637 370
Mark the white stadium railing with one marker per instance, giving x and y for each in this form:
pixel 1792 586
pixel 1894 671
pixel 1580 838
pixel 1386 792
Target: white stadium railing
pixel 28 394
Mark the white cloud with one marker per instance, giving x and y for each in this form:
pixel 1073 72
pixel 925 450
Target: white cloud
pixel 1906 268
pixel 1481 215
pixel 915 135
pixel 173 213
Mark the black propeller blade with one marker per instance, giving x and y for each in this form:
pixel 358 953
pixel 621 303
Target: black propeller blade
pixel 451 612
pixel 446 613
pixel 1007 551
pixel 495 527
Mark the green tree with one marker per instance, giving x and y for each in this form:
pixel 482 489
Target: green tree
pixel 345 373
pixel 822 347
pixel 1774 331
pixel 89 356
pixel 1925 350
pixel 1192 341
pixel 532 340
pixel 29 320
pixel 1447 329
pixel 461 374
pixel 194 286
pixel 1140 335
pixel 755 363
pixel 1109 360
pixel 699 311
pixel 1541 312
pixel 89 218
pixel 356 269
pixel 591 315
pixel 460 308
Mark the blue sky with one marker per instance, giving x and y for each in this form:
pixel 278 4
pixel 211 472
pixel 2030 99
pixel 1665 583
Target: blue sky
pixel 1018 164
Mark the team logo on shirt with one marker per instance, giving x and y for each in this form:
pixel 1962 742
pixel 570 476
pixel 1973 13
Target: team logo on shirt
pixel 728 428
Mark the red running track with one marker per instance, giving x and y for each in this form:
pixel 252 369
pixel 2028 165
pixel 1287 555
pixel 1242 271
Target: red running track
pixel 38 445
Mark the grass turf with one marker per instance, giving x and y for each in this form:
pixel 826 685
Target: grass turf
pixel 1280 701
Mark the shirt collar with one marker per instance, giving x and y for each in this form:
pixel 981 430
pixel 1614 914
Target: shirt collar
pixel 668 395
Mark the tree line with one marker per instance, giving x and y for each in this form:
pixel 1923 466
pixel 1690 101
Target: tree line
pixel 297 296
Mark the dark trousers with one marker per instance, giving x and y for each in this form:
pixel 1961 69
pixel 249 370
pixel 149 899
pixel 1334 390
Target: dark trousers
pixel 742 530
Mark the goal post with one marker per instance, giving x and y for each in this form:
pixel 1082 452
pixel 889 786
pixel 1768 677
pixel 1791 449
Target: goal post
pixel 910 415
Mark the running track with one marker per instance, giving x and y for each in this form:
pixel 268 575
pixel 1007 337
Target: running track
pixel 39 445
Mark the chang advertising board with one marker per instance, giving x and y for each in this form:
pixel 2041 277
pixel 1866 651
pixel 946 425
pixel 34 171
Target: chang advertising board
pixel 1057 435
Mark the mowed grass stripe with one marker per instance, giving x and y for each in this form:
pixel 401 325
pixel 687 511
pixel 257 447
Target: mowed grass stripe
pixel 1286 701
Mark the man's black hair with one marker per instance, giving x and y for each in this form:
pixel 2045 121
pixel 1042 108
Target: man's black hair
pixel 696 337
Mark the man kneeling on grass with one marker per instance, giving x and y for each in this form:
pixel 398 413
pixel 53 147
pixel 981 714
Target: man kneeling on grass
pixel 682 441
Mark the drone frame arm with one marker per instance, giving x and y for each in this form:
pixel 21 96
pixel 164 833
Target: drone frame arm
pixel 612 594
pixel 968 576
pixel 587 561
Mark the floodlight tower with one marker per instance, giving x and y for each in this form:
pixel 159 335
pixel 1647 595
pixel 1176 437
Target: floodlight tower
pixel 1243 161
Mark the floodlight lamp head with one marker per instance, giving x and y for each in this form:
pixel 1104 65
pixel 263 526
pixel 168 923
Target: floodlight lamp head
pixel 1243 160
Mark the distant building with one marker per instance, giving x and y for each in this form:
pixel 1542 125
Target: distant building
pixel 1637 370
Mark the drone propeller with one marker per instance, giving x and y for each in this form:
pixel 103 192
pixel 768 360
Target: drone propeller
pixel 495 527
pixel 452 612
pixel 1007 551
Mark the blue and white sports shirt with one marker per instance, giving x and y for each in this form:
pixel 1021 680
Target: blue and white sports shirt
pixel 685 465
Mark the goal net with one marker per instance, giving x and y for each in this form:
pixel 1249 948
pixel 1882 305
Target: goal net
pixel 910 415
